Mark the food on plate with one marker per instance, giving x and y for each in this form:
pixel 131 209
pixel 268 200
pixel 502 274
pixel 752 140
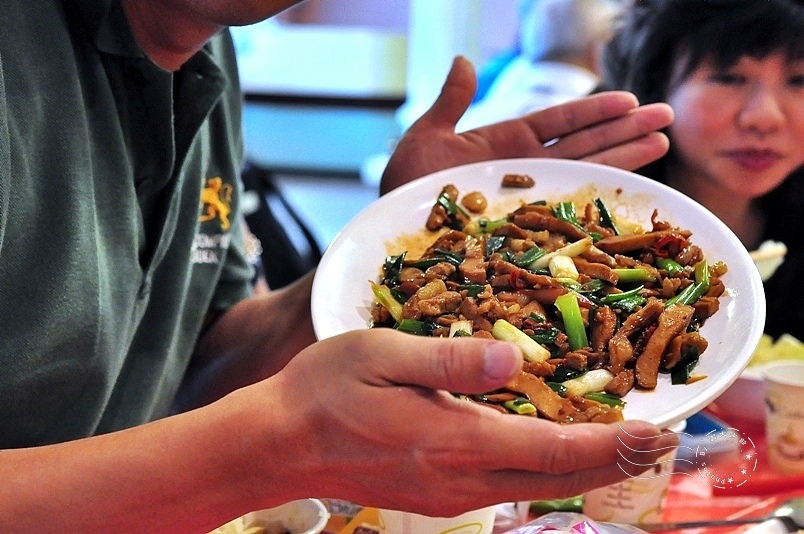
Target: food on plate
pixel 517 180
pixel 475 202
pixel 446 212
pixel 597 305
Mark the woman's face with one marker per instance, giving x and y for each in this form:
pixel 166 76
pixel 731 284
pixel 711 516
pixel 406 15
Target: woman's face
pixel 738 131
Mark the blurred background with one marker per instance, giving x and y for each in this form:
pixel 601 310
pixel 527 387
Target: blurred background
pixel 330 85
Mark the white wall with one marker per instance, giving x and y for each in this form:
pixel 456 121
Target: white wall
pixel 321 60
pixel 371 48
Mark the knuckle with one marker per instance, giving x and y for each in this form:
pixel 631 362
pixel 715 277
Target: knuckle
pixel 571 117
pixel 451 363
pixel 557 454
pixel 600 138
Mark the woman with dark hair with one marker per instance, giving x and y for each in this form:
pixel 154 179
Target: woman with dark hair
pixel 733 72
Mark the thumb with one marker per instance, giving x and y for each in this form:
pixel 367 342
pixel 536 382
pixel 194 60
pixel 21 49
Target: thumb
pixel 457 365
pixel 456 95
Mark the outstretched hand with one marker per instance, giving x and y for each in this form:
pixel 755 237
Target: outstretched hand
pixel 609 128
pixel 374 425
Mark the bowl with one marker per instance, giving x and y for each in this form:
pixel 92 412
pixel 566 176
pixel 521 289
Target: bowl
pixel 305 516
pixel 342 295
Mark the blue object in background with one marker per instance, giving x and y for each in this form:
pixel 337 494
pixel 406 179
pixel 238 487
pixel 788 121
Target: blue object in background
pixel 706 439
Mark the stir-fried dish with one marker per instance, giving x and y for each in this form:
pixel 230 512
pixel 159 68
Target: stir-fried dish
pixel 596 310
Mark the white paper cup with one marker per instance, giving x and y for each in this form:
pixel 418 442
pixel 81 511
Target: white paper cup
pixel 635 500
pixel 784 416
pixel 474 522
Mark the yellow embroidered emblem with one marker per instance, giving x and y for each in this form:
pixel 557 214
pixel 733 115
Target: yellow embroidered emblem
pixel 217 197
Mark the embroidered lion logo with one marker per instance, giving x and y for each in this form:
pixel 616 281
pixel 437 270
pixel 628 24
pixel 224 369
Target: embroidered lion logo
pixel 216 198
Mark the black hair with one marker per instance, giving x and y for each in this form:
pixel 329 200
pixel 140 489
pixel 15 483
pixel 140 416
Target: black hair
pixel 654 35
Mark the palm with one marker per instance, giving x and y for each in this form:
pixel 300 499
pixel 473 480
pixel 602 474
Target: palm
pixel 606 128
pixel 382 424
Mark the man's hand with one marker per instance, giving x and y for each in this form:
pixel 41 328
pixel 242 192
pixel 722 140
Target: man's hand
pixel 371 422
pixel 609 128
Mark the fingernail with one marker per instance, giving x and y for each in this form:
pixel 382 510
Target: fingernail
pixel 665 441
pixel 500 361
pixel 639 429
pixel 668 439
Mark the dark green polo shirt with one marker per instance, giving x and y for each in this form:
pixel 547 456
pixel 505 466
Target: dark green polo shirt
pixel 119 225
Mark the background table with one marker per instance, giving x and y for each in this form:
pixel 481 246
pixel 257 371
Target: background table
pixel 692 498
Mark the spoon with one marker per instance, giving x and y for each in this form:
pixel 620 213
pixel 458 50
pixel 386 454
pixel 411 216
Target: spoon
pixel 790 514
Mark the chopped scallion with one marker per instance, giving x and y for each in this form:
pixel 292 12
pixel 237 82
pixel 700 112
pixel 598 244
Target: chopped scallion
pixel 567 304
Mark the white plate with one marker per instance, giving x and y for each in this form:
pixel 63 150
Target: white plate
pixel 342 297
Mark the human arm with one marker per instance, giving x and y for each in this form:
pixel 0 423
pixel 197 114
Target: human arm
pixel 253 340
pixel 362 416
pixel 608 128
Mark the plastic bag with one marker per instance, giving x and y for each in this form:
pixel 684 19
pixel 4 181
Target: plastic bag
pixel 572 523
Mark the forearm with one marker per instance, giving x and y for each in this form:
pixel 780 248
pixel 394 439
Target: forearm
pixel 187 473
pixel 253 340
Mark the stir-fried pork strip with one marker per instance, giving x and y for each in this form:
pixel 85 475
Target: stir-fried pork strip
pixel 522 181
pixel 680 345
pixel 453 240
pixel 549 403
pixel 620 244
pixel 672 322
pixel 519 278
pixel 541 369
pixel 596 270
pixel 474 265
pixel 621 383
pixel 533 220
pixel 603 328
pixel 621 350
pixel 596 255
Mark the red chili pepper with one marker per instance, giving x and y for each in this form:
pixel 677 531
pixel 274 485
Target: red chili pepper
pixel 516 281
pixel 662 247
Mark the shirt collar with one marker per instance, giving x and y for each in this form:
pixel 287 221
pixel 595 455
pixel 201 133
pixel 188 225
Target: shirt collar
pixel 107 25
